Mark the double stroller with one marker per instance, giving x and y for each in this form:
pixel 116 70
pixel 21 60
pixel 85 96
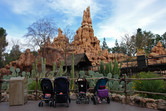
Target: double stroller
pixel 82 86
pixel 100 92
pixel 60 93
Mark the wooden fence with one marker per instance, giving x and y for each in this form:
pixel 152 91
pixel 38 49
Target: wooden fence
pixel 126 80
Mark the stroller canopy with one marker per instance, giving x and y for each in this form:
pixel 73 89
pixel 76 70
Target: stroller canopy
pixel 61 84
pixel 46 86
pixel 100 82
pixel 82 84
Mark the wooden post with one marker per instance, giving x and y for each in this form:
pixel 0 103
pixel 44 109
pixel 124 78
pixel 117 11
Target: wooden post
pixel 127 67
pixel 36 89
pixel 125 90
pixel 0 88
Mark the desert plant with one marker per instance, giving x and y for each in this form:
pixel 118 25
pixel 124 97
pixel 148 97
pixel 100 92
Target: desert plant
pixel 60 72
pixel 101 67
pixel 72 72
pixel 32 85
pixel 149 85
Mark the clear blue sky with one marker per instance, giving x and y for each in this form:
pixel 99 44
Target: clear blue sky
pixel 110 18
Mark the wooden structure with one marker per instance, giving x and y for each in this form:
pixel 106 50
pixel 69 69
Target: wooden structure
pixel 142 64
pixel 18 91
pixel 81 62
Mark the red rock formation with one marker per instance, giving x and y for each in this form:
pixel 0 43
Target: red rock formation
pixel 158 50
pixel 24 62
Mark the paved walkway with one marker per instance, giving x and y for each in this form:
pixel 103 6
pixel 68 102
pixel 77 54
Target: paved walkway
pixel 33 106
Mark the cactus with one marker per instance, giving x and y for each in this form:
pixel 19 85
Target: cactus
pixel 129 85
pixel 12 69
pixel 115 85
pixel 91 73
pixel 43 64
pixel 72 72
pixel 28 74
pixel 82 74
pixel 101 67
pixel 116 76
pixel 23 74
pixel 17 71
pixel 106 70
pixel 33 72
pixel 60 72
pixel 109 75
pixel 109 84
pixel 110 67
pixel 115 69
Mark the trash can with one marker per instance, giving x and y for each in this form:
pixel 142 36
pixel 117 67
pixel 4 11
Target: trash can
pixel 18 91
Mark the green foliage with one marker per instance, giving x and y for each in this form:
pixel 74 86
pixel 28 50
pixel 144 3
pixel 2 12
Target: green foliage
pixel 72 72
pixel 115 85
pixel 32 85
pixel 105 46
pixel 101 67
pixel 43 63
pixel 115 68
pixel 149 85
pixel 60 72
pixel 107 70
pixel 24 74
pixel 82 74
pixel 13 55
pixel 110 67
pixel 3 44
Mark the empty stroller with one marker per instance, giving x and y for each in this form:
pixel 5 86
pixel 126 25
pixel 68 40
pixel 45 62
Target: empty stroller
pixel 47 90
pixel 61 88
pixel 100 91
pixel 83 86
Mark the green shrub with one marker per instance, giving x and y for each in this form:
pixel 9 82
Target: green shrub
pixel 149 85
pixel 32 85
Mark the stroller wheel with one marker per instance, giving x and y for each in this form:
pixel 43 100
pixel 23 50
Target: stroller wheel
pixel 40 104
pixel 108 100
pixel 94 100
pixel 77 102
pixel 54 104
pixel 69 100
pixel 67 104
pixel 51 104
pixel 88 101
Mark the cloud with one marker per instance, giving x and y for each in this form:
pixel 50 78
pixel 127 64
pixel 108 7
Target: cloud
pixel 73 7
pixel 128 15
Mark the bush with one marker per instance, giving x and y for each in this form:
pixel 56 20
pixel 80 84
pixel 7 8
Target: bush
pixel 150 85
pixel 32 85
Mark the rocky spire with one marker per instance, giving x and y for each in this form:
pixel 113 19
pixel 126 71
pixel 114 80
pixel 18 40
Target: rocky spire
pixel 86 17
pixel 60 32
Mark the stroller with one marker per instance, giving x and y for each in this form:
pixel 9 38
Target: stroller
pixel 61 88
pixel 100 91
pixel 47 90
pixel 83 86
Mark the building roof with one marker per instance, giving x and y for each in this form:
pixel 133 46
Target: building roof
pixel 77 59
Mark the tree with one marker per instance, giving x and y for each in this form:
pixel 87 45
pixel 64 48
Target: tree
pixel 40 31
pixel 13 55
pixel 139 39
pixel 3 44
pixel 164 39
pixel 148 41
pixel 104 46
